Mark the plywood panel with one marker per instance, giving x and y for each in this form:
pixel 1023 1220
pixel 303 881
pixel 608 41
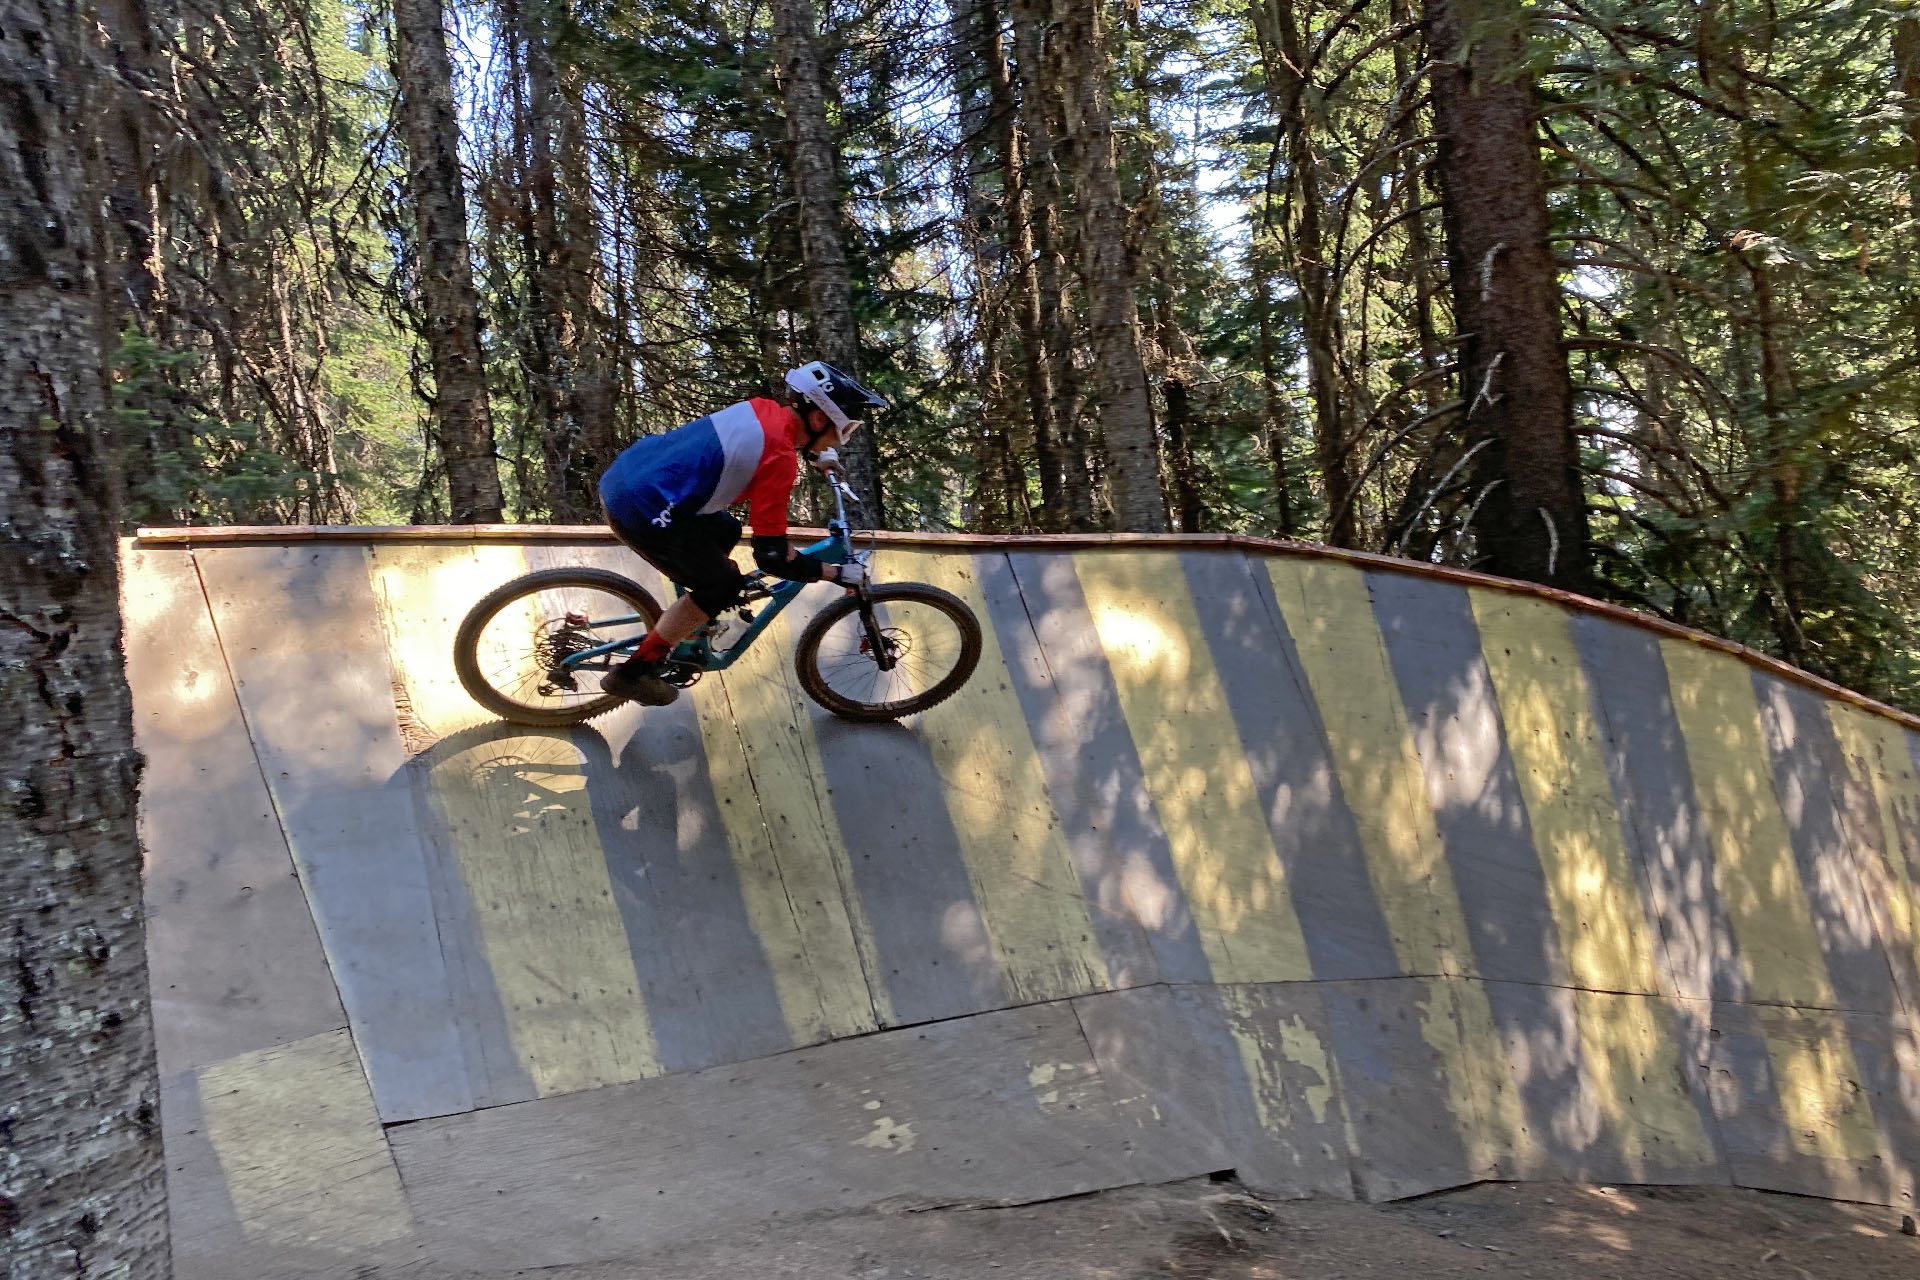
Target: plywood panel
pixel 301 636
pixel 1652 780
pixel 305 1162
pixel 1433 647
pixel 1753 863
pixel 1631 1059
pixel 1795 1108
pixel 1875 752
pixel 1234 1078
pixel 1318 839
pixel 1017 859
pixel 1831 824
pixel 1093 773
pixel 217 863
pixel 1329 612
pixel 1195 766
pixel 514 810
pixel 786 842
pixel 1412 1091
pixel 931 953
pixel 999 1108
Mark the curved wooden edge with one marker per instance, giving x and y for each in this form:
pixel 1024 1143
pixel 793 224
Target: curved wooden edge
pixel 230 535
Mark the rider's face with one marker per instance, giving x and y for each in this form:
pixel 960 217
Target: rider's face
pixel 821 431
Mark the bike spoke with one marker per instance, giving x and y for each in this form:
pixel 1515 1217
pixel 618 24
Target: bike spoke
pixel 928 647
pixel 520 647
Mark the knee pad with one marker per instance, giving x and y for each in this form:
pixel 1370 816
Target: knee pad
pixel 714 599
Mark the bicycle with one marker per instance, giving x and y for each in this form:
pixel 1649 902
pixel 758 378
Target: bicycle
pixel 532 651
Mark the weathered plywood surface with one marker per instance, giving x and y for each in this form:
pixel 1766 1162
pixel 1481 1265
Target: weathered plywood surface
pixel 1018 863
pixel 1446 885
pixel 1237 1078
pixel 1608 1093
pixel 933 955
pixel 1777 955
pixel 1195 766
pixel 1653 786
pixel 300 633
pixel 1316 835
pixel 1881 786
pixel 1072 707
pixel 1002 1107
pixel 1366 1087
pixel 528 914
pixel 1831 834
pixel 770 797
pixel 1328 614
pixel 233 959
pixel 1552 737
pixel 276 1165
pixel 1817 1102
pixel 1417 1099
pixel 1433 646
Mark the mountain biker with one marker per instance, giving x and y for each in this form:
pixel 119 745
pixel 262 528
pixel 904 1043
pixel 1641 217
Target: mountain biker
pixel 666 497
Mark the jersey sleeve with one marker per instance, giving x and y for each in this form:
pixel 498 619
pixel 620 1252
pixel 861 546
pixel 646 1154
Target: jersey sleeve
pixel 771 488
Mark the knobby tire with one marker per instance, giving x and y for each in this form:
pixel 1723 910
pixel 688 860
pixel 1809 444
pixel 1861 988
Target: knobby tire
pixel 806 654
pixel 466 643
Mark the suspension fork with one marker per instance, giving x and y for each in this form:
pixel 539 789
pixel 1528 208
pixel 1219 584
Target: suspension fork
pixel 875 640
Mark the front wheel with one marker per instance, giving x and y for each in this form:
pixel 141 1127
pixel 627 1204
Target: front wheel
pixel 887 653
pixel 511 649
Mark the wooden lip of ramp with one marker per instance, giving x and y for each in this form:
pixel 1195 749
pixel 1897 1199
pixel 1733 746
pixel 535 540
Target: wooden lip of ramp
pixel 240 535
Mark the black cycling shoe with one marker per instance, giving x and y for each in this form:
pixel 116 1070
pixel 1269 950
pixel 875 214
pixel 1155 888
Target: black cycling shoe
pixel 639 681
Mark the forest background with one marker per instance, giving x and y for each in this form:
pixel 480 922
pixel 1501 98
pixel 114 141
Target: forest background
pixel 1624 297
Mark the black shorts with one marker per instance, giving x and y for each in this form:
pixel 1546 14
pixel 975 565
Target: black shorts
pixel 694 551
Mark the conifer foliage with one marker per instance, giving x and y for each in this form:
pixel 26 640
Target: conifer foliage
pixel 1621 297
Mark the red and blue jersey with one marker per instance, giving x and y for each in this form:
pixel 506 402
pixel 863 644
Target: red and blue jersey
pixel 743 453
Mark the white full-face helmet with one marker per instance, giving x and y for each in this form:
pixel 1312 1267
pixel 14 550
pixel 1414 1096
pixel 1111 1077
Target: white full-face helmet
pixel 836 394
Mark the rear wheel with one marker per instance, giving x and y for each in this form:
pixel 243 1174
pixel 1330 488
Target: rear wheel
pixel 510 649
pixel 889 652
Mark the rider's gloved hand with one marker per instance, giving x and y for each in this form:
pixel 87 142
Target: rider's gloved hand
pixel 853 574
pixel 828 461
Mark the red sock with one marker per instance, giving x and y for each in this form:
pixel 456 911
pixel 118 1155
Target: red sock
pixel 654 648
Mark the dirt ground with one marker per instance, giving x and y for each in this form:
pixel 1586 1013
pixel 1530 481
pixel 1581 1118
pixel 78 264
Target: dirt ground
pixel 1191 1230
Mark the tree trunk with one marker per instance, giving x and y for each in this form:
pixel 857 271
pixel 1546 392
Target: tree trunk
pixel 972 42
pixel 1283 57
pixel 1906 70
pixel 1531 520
pixel 574 398
pixel 816 186
pixel 1078 62
pixel 1277 420
pixel 1420 254
pixel 1170 356
pixel 463 427
pixel 1038 103
pixel 996 139
pixel 82 1180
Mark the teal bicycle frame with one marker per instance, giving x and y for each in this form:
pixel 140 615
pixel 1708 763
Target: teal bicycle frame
pixel 697 650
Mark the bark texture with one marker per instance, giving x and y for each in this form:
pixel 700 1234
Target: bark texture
pixel 816 185
pixel 82 1189
pixel 1531 517
pixel 1906 68
pixel 1282 53
pixel 463 427
pixel 1077 63
pixel 572 380
pixel 1038 112
pixel 977 64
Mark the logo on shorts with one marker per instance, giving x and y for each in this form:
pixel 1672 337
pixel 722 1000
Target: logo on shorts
pixel 664 519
